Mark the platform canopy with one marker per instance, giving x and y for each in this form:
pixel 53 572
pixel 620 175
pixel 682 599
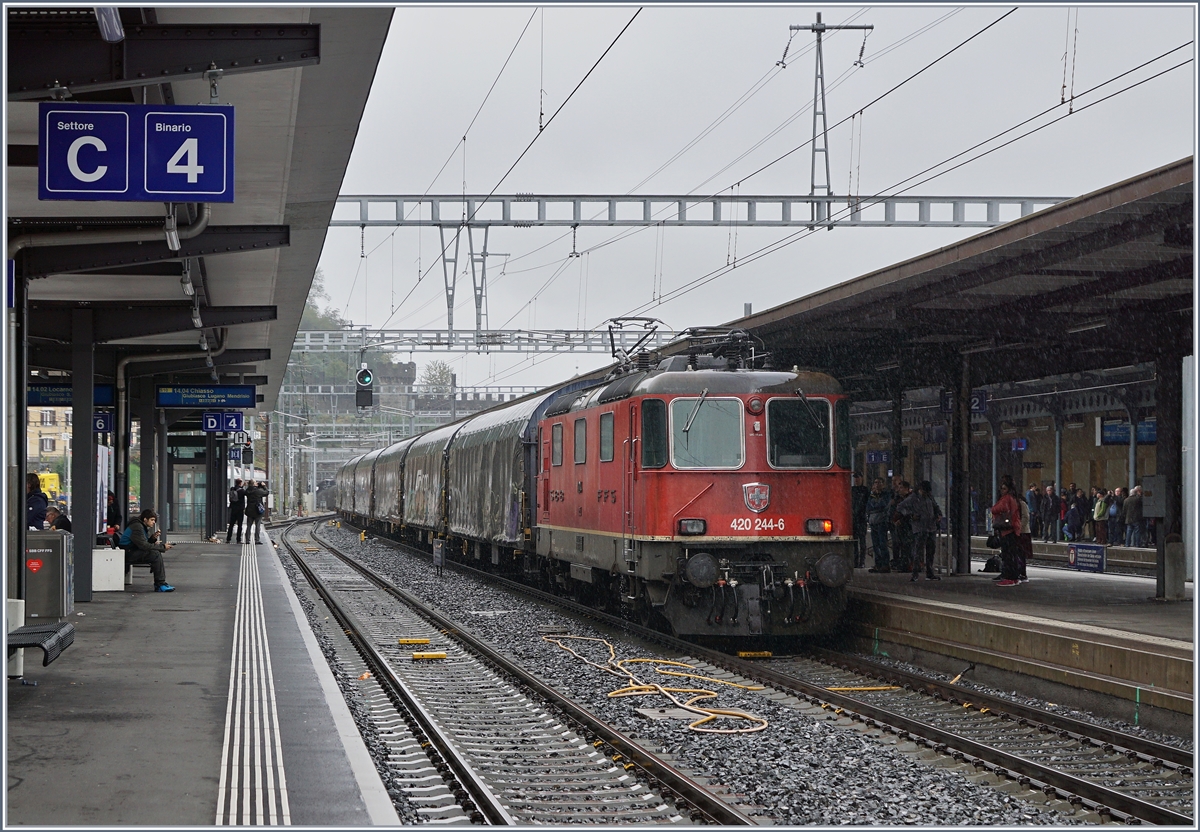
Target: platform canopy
pixel 1101 281
pixel 298 78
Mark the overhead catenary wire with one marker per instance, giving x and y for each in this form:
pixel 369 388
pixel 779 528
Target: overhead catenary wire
pixel 537 135
pixel 896 190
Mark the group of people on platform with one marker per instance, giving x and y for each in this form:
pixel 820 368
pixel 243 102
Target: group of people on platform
pixel 140 538
pixel 247 501
pixel 910 517
pixel 912 520
pixel 1107 517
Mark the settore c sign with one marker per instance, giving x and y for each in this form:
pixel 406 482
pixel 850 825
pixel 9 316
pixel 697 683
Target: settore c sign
pixel 135 152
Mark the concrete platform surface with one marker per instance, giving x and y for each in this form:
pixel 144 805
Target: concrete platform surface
pixel 1074 631
pixel 1121 603
pixel 134 724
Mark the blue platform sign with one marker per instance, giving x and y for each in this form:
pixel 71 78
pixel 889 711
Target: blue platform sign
pixel 59 395
pixel 212 395
pixel 221 422
pixel 979 401
pixel 135 152
pixel 1086 557
pixel 235 454
pixel 102 423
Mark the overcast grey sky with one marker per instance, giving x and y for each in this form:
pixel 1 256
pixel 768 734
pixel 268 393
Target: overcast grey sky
pixel 672 74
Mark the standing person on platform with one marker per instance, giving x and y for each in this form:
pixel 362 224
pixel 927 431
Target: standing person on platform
pixel 1083 513
pixel 1024 537
pixel 1049 508
pixel 35 503
pixel 858 514
pixel 1116 520
pixel 1006 522
pixel 1100 516
pixel 256 497
pixel 1033 499
pixel 237 509
pixel 1132 515
pixel 921 513
pixel 902 552
pixel 145 547
pixel 878 519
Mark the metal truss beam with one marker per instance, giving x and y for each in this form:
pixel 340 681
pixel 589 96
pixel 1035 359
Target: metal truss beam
pixel 115 322
pixel 45 54
pixel 461 341
pixel 508 390
pixel 221 239
pixel 571 211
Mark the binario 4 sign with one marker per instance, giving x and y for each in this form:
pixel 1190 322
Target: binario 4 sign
pixel 135 152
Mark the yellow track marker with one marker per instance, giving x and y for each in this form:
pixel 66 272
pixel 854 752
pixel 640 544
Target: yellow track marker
pixel 420 656
pixel 754 654
pixel 866 688
pixel 412 641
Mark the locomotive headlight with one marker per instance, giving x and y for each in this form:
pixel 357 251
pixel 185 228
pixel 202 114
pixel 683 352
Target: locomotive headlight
pixel 755 405
pixel 692 527
pixel 819 526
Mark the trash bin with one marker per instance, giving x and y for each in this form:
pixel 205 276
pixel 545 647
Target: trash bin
pixel 49 575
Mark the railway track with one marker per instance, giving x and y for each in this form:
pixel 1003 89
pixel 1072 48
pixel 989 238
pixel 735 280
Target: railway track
pixel 468 725
pixel 1114 775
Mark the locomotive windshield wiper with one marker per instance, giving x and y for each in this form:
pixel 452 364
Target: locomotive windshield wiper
pixel 688 425
pixel 808 406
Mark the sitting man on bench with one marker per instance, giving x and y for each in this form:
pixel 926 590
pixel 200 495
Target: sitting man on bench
pixel 144 547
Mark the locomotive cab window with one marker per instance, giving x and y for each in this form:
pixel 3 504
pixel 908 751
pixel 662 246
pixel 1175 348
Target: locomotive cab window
pixel 580 441
pixel 654 433
pixel 707 433
pixel 798 433
pixel 606 437
pixel 556 444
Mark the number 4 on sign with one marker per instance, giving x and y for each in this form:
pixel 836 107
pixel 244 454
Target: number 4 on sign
pixel 192 166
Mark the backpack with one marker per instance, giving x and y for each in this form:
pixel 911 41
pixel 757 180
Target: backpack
pixel 126 536
pixel 236 496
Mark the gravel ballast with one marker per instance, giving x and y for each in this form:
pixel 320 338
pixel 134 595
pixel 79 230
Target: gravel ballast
pixel 801 769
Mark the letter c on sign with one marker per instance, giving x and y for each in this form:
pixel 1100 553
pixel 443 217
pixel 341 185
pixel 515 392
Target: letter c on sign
pixel 73 159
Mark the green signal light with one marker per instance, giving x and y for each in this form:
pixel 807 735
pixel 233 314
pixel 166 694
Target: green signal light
pixel 365 378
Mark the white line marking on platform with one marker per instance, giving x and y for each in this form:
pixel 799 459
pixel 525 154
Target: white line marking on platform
pixel 252 790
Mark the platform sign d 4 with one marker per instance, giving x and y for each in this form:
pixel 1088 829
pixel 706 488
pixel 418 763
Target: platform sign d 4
pixel 135 152
pixel 211 422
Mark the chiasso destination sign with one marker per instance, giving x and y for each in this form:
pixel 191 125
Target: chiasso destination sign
pixel 135 152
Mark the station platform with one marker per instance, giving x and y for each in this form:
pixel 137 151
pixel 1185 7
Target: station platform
pixel 136 723
pixel 1099 640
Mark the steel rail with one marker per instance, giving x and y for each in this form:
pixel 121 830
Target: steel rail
pixel 1102 798
pixel 1058 722
pixel 713 808
pixel 485 802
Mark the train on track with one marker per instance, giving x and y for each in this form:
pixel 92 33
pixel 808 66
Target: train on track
pixel 692 492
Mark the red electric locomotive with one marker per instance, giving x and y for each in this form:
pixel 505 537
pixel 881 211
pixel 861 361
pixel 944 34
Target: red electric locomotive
pixel 714 498
pixel 695 492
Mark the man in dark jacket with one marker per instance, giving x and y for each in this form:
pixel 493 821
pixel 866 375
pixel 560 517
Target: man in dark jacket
pixel 58 521
pixel 1033 499
pixel 145 547
pixel 1132 515
pixel 902 539
pixel 919 509
pixel 256 496
pixel 858 514
pixel 1116 518
pixel 35 503
pixel 1049 506
pixel 879 518
pixel 237 509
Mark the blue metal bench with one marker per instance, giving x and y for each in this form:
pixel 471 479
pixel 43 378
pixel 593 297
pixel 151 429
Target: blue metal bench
pixel 53 638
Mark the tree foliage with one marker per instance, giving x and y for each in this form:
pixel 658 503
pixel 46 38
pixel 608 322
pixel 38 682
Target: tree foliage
pixel 436 374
